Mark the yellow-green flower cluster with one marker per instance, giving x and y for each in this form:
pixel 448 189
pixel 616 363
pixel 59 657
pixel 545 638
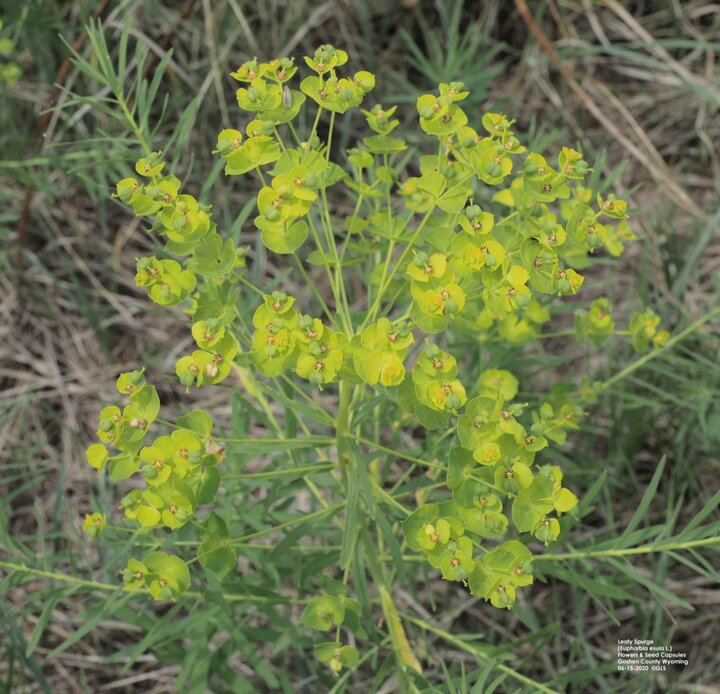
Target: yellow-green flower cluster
pixel 284 339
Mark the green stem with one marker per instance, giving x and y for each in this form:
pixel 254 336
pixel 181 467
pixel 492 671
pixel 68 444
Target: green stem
pixel 269 474
pixel 315 291
pixel 302 519
pixel 134 126
pixel 250 286
pixel 639 363
pixel 391 245
pixel 312 403
pixel 279 139
pixel 261 175
pixel 324 255
pixel 315 124
pixel 339 281
pixel 296 137
pixel 311 441
pixel 330 134
pixel 389 499
pixel 629 551
pixel 385 279
pixel 97 585
pixel 343 250
pixel 397 454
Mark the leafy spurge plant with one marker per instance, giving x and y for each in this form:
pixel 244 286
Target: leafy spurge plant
pixel 434 258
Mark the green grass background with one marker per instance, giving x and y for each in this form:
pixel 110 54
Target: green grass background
pixel 634 85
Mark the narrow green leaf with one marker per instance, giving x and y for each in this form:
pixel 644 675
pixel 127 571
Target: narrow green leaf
pixel 644 504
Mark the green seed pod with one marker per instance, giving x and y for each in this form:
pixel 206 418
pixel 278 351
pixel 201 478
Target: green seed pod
pixel 472 211
pixel 502 599
pixel 453 402
pixel 187 379
pixel 544 534
pixel 315 377
pixel 451 305
pixel 364 80
pixel 431 350
pixel 522 300
pixel 426 112
pixel 271 213
pixel 149 471
pixel 285 190
pixel 267 127
pixel 593 240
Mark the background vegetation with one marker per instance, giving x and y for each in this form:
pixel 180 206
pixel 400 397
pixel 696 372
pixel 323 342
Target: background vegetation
pixel 634 85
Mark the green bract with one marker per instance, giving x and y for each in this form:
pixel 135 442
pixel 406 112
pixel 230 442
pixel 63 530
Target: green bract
pixel 422 261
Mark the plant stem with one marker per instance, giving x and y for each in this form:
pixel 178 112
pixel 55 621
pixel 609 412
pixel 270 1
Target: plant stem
pixel 250 285
pixel 315 124
pixel 398 454
pixel 315 291
pixel 311 441
pixel 294 521
pixel 385 279
pixel 133 125
pixel 329 137
pixel 109 587
pixel 269 474
pixel 639 363
pixel 629 551
pixel 339 281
